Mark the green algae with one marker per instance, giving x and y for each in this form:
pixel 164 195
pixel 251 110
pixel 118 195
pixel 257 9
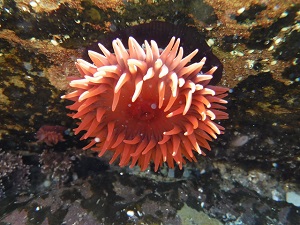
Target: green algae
pixel 190 216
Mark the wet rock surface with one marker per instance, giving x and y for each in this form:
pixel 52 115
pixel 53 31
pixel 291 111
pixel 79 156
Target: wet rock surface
pixel 114 197
pixel 251 176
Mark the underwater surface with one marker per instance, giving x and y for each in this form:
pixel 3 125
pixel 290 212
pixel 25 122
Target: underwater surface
pixel 250 176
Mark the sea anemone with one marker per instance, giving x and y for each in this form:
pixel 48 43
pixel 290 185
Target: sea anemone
pixel 147 104
pixel 50 135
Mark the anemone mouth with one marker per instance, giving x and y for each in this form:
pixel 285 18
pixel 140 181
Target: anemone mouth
pixel 145 104
pixel 143 110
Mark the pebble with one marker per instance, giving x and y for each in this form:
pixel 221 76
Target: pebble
pixel 33 4
pixel 239 141
pixel 284 14
pixel 210 42
pixel 55 43
pixel 47 183
pixel 271 48
pixel 277 41
pixel 293 197
pixel 238 53
pixel 241 10
pixel 274 62
pixel 130 213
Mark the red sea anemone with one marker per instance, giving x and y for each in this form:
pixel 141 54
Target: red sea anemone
pixel 147 104
pixel 50 135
